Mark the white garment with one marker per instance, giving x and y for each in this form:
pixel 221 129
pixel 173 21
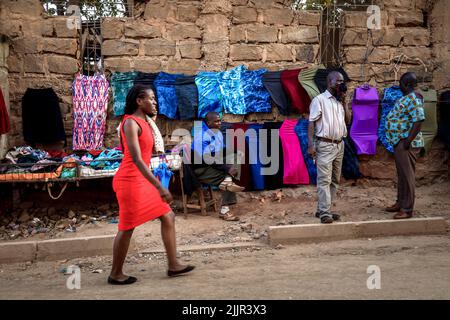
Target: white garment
pixel 158 145
pixel 329 115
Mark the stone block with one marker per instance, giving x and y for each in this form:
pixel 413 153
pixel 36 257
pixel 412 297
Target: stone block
pixel 12 252
pixel 299 35
pixel 278 16
pixel 216 6
pixel 159 47
pixel 33 63
pixel 112 28
pixel 27 45
pixel 407 18
pixel 190 49
pixel 262 33
pixel 304 17
pixel 62 65
pixel 186 66
pixel 416 37
pixel 15 64
pixel 305 53
pixel 141 30
pixel 354 37
pixel 245 52
pixel 215 27
pixel 373 55
pixel 181 32
pixel 117 64
pixel 61 46
pixel 25 7
pixel 126 47
pixel 238 34
pixel 387 37
pixel 244 15
pixel 279 52
pixel 187 13
pixel 64 27
pixel 215 56
pixel 161 11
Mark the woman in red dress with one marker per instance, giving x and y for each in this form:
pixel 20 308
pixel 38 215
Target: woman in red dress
pixel 140 195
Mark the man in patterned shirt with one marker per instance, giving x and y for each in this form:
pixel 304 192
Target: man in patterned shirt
pixel 403 125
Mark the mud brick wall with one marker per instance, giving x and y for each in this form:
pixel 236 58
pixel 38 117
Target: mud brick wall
pixel 214 35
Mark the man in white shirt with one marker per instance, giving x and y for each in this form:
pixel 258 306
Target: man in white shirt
pixel 327 121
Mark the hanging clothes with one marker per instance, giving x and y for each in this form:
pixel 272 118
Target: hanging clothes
pixel 390 97
pixel 256 96
pixel 252 137
pixel 209 94
pixel 146 79
pixel 41 117
pixel 121 83
pixel 306 79
pixel 429 126
pixel 163 173
pixel 297 95
pixel 246 171
pixel 444 118
pixel 90 103
pixel 4 119
pixel 187 96
pixel 350 162
pixel 274 181
pixel 365 120
pixel 272 83
pixel 166 94
pixel 232 90
pixel 295 171
pixel 320 78
pixel 301 129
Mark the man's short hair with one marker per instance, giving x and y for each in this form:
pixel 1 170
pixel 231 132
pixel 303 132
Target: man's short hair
pixel 409 80
pixel 332 75
pixel 211 115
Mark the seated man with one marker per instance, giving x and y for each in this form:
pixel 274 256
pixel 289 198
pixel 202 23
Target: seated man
pixel 210 165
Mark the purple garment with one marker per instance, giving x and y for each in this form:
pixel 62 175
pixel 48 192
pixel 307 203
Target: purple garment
pixel 365 120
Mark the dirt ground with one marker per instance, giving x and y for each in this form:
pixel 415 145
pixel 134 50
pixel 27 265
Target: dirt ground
pixel 259 210
pixel 410 268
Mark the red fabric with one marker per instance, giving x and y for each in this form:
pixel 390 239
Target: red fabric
pixel 95 153
pixel 4 119
pixel 57 154
pixel 296 93
pixel 139 200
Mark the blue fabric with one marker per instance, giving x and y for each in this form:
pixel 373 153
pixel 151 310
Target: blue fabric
pixel 166 94
pixel 121 83
pixel 256 96
pixel 301 129
pixel 187 96
pixel 400 121
pixel 209 94
pixel 164 174
pixel 100 162
pixel 350 163
pixel 390 97
pixel 253 144
pixel 233 97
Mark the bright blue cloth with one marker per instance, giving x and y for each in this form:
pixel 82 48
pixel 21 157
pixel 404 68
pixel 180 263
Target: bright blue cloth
pixel 209 94
pixel 166 94
pixel 164 174
pixel 100 162
pixel 401 119
pixel 255 162
pixel 301 129
pixel 390 97
pixel 256 96
pixel 121 83
pixel 232 89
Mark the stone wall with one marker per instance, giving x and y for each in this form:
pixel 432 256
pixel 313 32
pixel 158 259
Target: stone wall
pixel 43 52
pixel 189 36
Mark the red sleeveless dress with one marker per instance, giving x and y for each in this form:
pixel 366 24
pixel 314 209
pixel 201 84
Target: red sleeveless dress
pixel 139 201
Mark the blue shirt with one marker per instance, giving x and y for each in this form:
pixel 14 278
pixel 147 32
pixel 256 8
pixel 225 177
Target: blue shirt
pixel 206 143
pixel 401 119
